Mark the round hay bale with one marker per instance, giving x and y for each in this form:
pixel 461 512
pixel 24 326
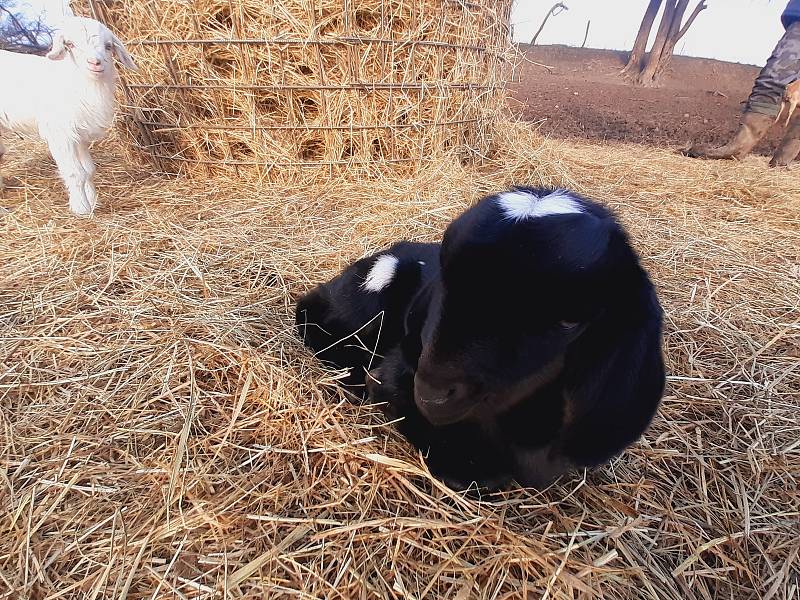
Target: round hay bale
pixel 255 86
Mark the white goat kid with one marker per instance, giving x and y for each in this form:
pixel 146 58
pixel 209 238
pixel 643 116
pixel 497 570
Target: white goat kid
pixel 67 99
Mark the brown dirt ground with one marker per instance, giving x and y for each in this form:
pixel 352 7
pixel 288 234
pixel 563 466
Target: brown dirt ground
pixel 584 97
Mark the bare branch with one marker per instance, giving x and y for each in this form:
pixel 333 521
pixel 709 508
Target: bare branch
pixel 556 9
pixel 701 6
pixel 20 34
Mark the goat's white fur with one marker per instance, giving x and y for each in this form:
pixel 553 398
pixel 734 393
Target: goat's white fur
pixel 381 273
pixel 66 9
pixel 520 205
pixel 67 99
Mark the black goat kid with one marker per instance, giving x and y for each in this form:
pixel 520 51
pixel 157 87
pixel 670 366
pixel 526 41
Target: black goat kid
pixel 526 345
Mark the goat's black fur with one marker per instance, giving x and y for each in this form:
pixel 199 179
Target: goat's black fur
pixel 521 348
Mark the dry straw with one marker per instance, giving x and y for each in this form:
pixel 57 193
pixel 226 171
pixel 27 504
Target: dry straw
pixel 163 434
pixel 262 86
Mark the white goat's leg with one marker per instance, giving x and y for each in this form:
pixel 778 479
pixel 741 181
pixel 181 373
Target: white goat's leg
pixel 88 168
pixel 65 153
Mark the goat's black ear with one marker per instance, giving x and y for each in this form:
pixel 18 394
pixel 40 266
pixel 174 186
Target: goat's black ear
pixel 614 382
pixel 411 343
pixel 309 316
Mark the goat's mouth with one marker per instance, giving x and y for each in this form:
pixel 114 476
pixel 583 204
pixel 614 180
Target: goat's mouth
pixel 96 69
pixel 441 412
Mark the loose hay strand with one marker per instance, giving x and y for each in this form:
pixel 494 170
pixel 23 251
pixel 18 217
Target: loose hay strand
pixel 165 433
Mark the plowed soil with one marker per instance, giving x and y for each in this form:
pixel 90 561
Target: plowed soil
pixel 583 96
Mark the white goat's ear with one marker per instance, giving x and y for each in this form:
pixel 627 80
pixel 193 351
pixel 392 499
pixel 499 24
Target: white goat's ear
pixel 122 54
pixel 59 49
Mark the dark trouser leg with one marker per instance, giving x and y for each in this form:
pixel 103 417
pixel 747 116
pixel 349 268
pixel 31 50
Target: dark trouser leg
pixel 782 68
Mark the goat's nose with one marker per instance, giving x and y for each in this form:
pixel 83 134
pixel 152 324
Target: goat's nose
pixel 442 402
pixel 437 391
pixel 94 61
pixel 442 392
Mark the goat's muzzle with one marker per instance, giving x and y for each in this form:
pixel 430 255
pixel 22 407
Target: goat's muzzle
pixel 442 401
pixel 95 65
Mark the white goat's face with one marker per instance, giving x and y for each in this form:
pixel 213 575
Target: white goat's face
pixel 89 45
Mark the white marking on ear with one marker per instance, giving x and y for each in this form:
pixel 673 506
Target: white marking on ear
pixel 381 273
pixel 521 205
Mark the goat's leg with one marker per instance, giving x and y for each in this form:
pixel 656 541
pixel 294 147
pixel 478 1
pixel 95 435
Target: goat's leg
pixel 538 468
pixel 90 169
pixel 65 153
pixel 790 145
pixel 792 107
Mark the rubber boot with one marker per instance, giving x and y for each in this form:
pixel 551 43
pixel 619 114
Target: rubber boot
pixel 790 145
pixel 753 127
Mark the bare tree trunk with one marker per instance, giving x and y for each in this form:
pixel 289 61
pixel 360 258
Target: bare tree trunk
pixel 634 65
pixel 676 33
pixel 674 28
pixel 554 10
pixel 586 35
pixel 647 74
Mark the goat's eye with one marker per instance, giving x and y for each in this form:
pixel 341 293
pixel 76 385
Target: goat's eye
pixel 109 45
pixel 568 324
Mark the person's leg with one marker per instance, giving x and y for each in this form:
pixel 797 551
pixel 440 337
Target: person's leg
pixel 752 128
pixel 790 146
pixel 764 102
pixel 782 68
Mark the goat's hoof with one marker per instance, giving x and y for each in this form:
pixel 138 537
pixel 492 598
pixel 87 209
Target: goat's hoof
pixel 80 211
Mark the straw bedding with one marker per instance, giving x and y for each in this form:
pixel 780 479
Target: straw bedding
pixel 163 434
pixel 260 87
